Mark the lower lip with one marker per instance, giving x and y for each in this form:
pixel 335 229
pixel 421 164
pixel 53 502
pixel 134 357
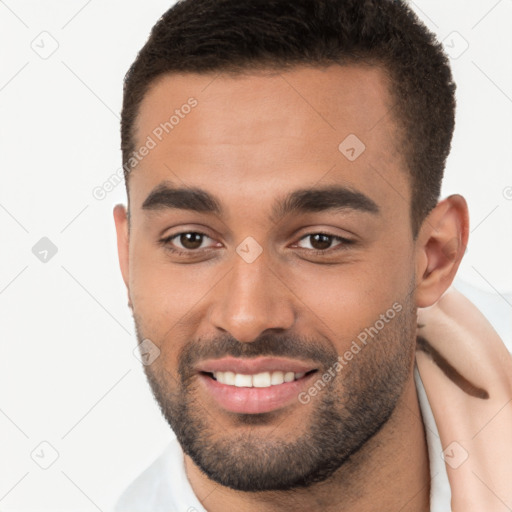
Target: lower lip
pixel 254 400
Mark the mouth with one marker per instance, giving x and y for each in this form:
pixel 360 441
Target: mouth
pixel 254 386
pixel 258 380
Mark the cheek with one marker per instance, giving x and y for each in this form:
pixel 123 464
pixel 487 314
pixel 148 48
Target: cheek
pixel 166 303
pixel 164 294
pixel 348 299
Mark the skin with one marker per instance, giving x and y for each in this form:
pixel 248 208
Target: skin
pixel 252 139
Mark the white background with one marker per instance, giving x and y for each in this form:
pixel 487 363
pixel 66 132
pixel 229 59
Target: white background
pixel 68 374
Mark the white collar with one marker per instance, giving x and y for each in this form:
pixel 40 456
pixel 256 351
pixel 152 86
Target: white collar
pixel 440 493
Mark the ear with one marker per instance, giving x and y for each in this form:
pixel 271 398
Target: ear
pixel 121 222
pixel 440 246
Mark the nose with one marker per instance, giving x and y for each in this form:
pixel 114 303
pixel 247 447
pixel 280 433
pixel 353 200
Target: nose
pixel 251 299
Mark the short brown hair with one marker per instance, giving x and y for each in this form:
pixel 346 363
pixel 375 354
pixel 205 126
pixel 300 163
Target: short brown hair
pixel 202 36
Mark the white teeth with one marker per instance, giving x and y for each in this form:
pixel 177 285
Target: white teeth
pixel 220 377
pixel 229 378
pixel 277 378
pixel 289 376
pixel 243 381
pixel 259 380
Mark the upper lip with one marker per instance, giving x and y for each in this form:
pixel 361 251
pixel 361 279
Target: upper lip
pixel 252 366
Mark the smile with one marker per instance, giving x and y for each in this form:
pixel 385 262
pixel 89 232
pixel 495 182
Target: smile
pixel 254 385
pixel 259 380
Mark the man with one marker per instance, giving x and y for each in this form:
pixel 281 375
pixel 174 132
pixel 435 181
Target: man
pixel 283 166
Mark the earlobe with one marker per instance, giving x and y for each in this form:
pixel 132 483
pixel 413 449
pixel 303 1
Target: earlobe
pixel 121 223
pixel 440 247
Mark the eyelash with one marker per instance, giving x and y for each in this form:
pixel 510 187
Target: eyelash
pixel 317 252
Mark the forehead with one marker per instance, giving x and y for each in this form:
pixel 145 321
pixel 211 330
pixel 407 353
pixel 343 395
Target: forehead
pixel 256 132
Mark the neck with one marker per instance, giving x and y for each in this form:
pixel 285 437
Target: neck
pixel 390 472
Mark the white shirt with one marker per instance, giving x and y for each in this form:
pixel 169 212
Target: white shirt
pixel 164 487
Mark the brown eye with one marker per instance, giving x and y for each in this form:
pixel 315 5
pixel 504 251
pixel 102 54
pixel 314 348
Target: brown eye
pixel 323 242
pixel 190 244
pixel 320 241
pixel 191 240
pixel 186 242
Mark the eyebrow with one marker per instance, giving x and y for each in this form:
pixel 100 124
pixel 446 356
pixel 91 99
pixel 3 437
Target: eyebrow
pixel 333 197
pixel 308 200
pixel 166 195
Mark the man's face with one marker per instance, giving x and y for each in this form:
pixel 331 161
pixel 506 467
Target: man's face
pixel 293 253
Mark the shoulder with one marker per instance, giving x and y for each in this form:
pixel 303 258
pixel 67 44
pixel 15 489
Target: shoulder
pixel 145 492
